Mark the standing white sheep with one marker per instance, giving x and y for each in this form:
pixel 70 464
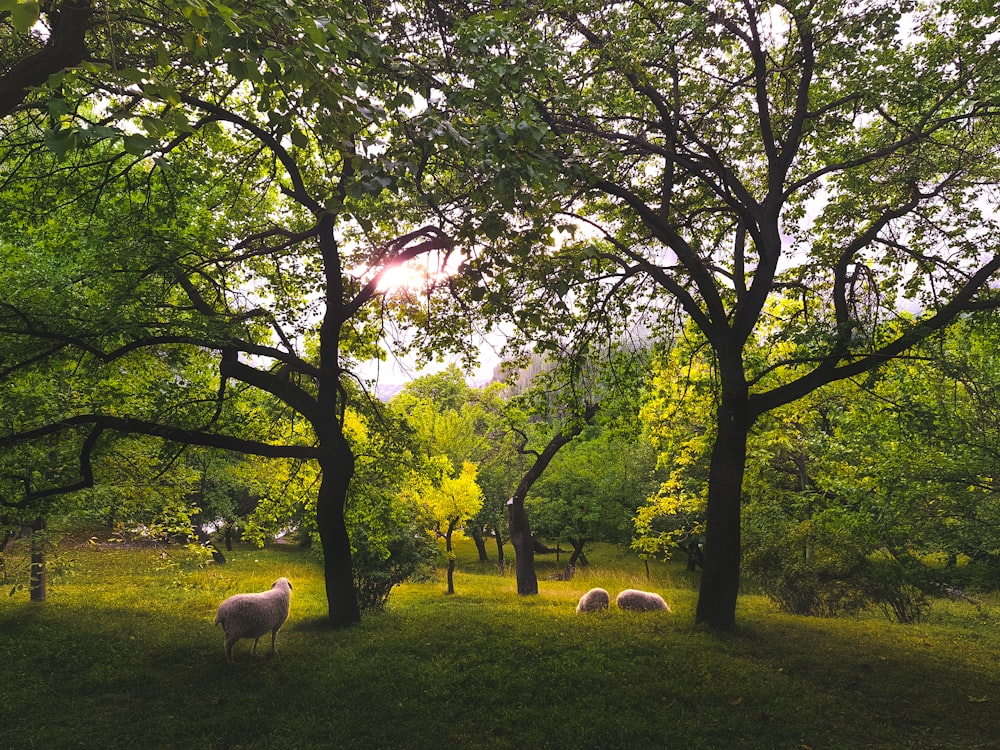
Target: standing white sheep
pixel 640 601
pixel 594 600
pixel 253 615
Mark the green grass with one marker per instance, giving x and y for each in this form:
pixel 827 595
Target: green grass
pixel 124 655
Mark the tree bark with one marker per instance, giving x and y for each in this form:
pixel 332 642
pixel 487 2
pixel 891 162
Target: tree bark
pixel 477 537
pixel 65 47
pixel 337 465
pixel 501 558
pixel 37 583
pixel 720 580
pixel 451 556
pixel 524 548
pixel 578 556
pixel 517 514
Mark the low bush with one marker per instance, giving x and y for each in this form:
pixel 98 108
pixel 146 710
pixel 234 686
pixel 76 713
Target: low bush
pixel 829 586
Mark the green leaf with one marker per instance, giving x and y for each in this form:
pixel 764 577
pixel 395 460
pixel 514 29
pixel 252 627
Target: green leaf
pixel 136 144
pixel 60 142
pixel 58 107
pixel 493 226
pixel 24 15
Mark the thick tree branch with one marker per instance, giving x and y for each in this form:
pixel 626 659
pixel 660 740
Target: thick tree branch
pixel 829 372
pixel 298 190
pixel 133 426
pixel 65 47
pixel 279 387
pixel 397 253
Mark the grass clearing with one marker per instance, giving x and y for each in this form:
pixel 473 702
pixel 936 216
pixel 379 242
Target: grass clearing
pixel 124 655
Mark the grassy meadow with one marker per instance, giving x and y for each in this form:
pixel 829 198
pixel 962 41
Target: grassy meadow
pixel 124 655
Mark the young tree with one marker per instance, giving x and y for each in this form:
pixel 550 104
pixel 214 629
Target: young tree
pixel 677 417
pixel 592 490
pixel 448 417
pixel 450 498
pixel 731 154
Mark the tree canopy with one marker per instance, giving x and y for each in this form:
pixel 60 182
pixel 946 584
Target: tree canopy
pixel 810 185
pixel 801 172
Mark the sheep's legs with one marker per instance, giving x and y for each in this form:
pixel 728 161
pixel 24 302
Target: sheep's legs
pixel 253 649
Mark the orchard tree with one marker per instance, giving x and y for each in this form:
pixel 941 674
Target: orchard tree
pixel 450 497
pixel 852 490
pixel 242 194
pixel 720 157
pixel 927 429
pixel 448 417
pixel 592 490
pixel 677 419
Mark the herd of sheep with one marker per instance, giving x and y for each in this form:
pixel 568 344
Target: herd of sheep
pixel 256 615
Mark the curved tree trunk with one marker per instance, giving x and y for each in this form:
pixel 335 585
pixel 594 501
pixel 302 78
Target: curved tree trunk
pixel 517 514
pixel 65 47
pixel 720 580
pixel 477 537
pixel 338 468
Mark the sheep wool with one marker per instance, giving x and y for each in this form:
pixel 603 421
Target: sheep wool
pixel 640 601
pixel 253 615
pixel 594 600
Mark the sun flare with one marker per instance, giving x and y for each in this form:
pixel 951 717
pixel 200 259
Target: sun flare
pixel 403 277
pixel 416 275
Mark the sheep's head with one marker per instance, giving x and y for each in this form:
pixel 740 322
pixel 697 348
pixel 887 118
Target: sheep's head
pixel 282 582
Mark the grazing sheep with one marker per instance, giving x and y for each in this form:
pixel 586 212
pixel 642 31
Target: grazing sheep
pixel 253 615
pixel 594 600
pixel 640 601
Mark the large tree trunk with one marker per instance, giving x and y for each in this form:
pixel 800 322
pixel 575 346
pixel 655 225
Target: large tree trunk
pixel 338 468
pixel 720 580
pixel 65 47
pixel 37 583
pixel 524 548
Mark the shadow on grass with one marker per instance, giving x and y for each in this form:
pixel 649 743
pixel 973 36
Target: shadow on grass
pixel 483 669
